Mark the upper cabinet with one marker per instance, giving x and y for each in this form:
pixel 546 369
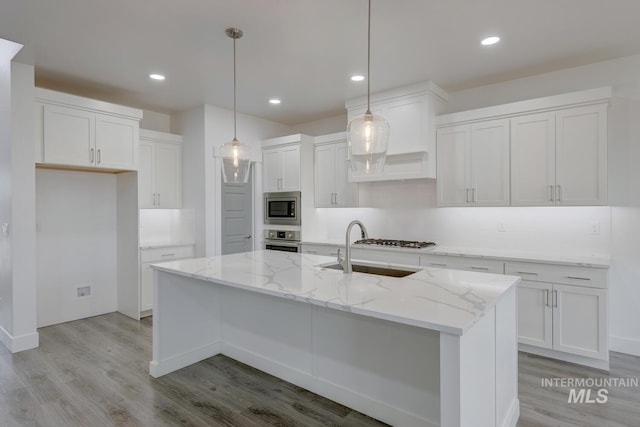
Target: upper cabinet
pixel 282 159
pixel 555 151
pixel 473 164
pixel 160 172
pixel 411 113
pixel 77 132
pixel 332 186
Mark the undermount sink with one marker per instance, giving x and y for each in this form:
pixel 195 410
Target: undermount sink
pixel 374 269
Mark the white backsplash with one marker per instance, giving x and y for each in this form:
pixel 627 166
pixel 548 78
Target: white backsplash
pixel 407 210
pixel 165 226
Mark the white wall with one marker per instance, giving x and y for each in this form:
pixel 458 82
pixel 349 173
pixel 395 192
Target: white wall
pixel 204 130
pixel 166 226
pixel 408 209
pixel 76 244
pixel 323 126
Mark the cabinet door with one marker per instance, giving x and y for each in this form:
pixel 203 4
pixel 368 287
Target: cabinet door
pixel 168 175
pixel 533 160
pixel 489 154
pixel 146 287
pixel 535 314
pixel 324 175
pixel 346 193
pixel 116 143
pixel 290 168
pixel 581 156
pixel 579 321
pixel 69 136
pixel 271 169
pixel 452 158
pixel 145 175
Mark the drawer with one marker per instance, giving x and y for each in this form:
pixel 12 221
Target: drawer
pixel 326 250
pixel 579 276
pixel 463 263
pixel 167 253
pixel 391 257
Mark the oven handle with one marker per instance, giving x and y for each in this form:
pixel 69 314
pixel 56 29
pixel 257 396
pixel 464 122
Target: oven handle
pixel 291 243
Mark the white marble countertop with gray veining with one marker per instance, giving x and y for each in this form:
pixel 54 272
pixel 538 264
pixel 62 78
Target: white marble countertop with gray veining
pixel 449 301
pixel 591 261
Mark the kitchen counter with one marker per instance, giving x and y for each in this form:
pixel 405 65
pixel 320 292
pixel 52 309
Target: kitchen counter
pixel 590 261
pixel 435 348
pixel 161 245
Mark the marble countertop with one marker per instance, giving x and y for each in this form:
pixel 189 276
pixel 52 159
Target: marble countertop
pixel 591 261
pixel 444 300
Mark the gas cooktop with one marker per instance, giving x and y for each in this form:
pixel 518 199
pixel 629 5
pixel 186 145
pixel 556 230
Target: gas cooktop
pixel 414 244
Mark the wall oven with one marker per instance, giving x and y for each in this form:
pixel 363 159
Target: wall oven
pixel 282 208
pixel 277 240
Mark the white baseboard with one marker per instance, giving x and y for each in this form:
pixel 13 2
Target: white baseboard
pixel 567 357
pixel 19 343
pixel 163 367
pixel 624 345
pixel 511 420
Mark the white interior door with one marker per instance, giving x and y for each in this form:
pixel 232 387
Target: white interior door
pixel 237 217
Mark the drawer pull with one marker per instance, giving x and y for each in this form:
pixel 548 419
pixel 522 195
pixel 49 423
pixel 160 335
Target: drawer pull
pixel 480 268
pixel 555 298
pixel 546 297
pixel 168 255
pixel 312 252
pixel 526 273
pixel 577 278
pixel 435 264
pixel 334 253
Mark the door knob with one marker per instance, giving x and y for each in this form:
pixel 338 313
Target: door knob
pixel 248 236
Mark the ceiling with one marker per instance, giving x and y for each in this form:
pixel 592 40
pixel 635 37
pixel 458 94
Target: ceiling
pixel 303 51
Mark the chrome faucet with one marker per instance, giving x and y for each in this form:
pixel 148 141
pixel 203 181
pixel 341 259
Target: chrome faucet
pixel 346 262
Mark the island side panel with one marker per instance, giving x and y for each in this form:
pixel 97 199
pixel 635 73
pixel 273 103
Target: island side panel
pixel 507 403
pixel 387 370
pixel 186 322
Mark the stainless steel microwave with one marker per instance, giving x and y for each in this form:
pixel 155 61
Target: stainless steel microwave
pixel 282 208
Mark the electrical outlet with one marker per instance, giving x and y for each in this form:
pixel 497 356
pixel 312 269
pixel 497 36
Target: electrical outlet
pixel 501 227
pixel 83 292
pixel 594 228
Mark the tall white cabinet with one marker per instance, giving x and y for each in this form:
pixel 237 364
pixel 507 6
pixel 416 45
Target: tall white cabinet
pixel 160 171
pixel 282 160
pixel 542 152
pixel 473 164
pixel 332 186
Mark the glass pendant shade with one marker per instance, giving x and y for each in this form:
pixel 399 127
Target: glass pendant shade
pixel 368 137
pixel 236 161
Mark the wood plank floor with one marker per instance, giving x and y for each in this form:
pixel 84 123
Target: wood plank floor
pixel 94 372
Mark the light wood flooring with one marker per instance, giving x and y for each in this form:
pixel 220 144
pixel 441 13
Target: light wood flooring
pixel 94 372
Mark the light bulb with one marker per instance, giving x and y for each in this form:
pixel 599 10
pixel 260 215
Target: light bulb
pixel 367 136
pixel 235 157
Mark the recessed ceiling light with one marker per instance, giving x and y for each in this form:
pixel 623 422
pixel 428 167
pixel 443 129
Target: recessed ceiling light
pixel 274 101
pixel 357 78
pixel 490 40
pixel 156 76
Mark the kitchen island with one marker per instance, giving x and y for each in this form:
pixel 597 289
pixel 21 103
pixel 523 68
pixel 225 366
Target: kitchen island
pixel 435 348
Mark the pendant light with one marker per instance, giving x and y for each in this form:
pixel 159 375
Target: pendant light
pixel 368 134
pixel 236 156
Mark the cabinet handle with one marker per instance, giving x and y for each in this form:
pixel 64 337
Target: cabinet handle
pixel 551 193
pixel 99 155
pixel 168 255
pixel 435 264
pixel 335 198
pixel 466 191
pixel 577 278
pixel 555 298
pixel 526 273
pixel 473 195
pixel 311 252
pixel 91 155
pixel 559 193
pixel 546 297
pixel 480 268
pixel 334 253
pixel 158 194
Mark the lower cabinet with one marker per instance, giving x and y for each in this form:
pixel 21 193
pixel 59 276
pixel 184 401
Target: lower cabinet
pixel 154 256
pixel 566 318
pixel 463 263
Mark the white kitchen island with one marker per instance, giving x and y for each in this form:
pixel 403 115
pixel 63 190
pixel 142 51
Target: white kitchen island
pixel 435 348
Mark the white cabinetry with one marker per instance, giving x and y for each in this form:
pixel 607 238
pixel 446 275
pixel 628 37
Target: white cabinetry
pixel 332 186
pixel 541 152
pixel 463 263
pixel 282 161
pixel 78 132
pixel 560 158
pixel 160 172
pixel 411 112
pixel 563 309
pixel 153 256
pixel 473 164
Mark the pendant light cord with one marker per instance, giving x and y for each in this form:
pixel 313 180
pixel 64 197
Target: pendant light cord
pixel 369 59
pixel 234 90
